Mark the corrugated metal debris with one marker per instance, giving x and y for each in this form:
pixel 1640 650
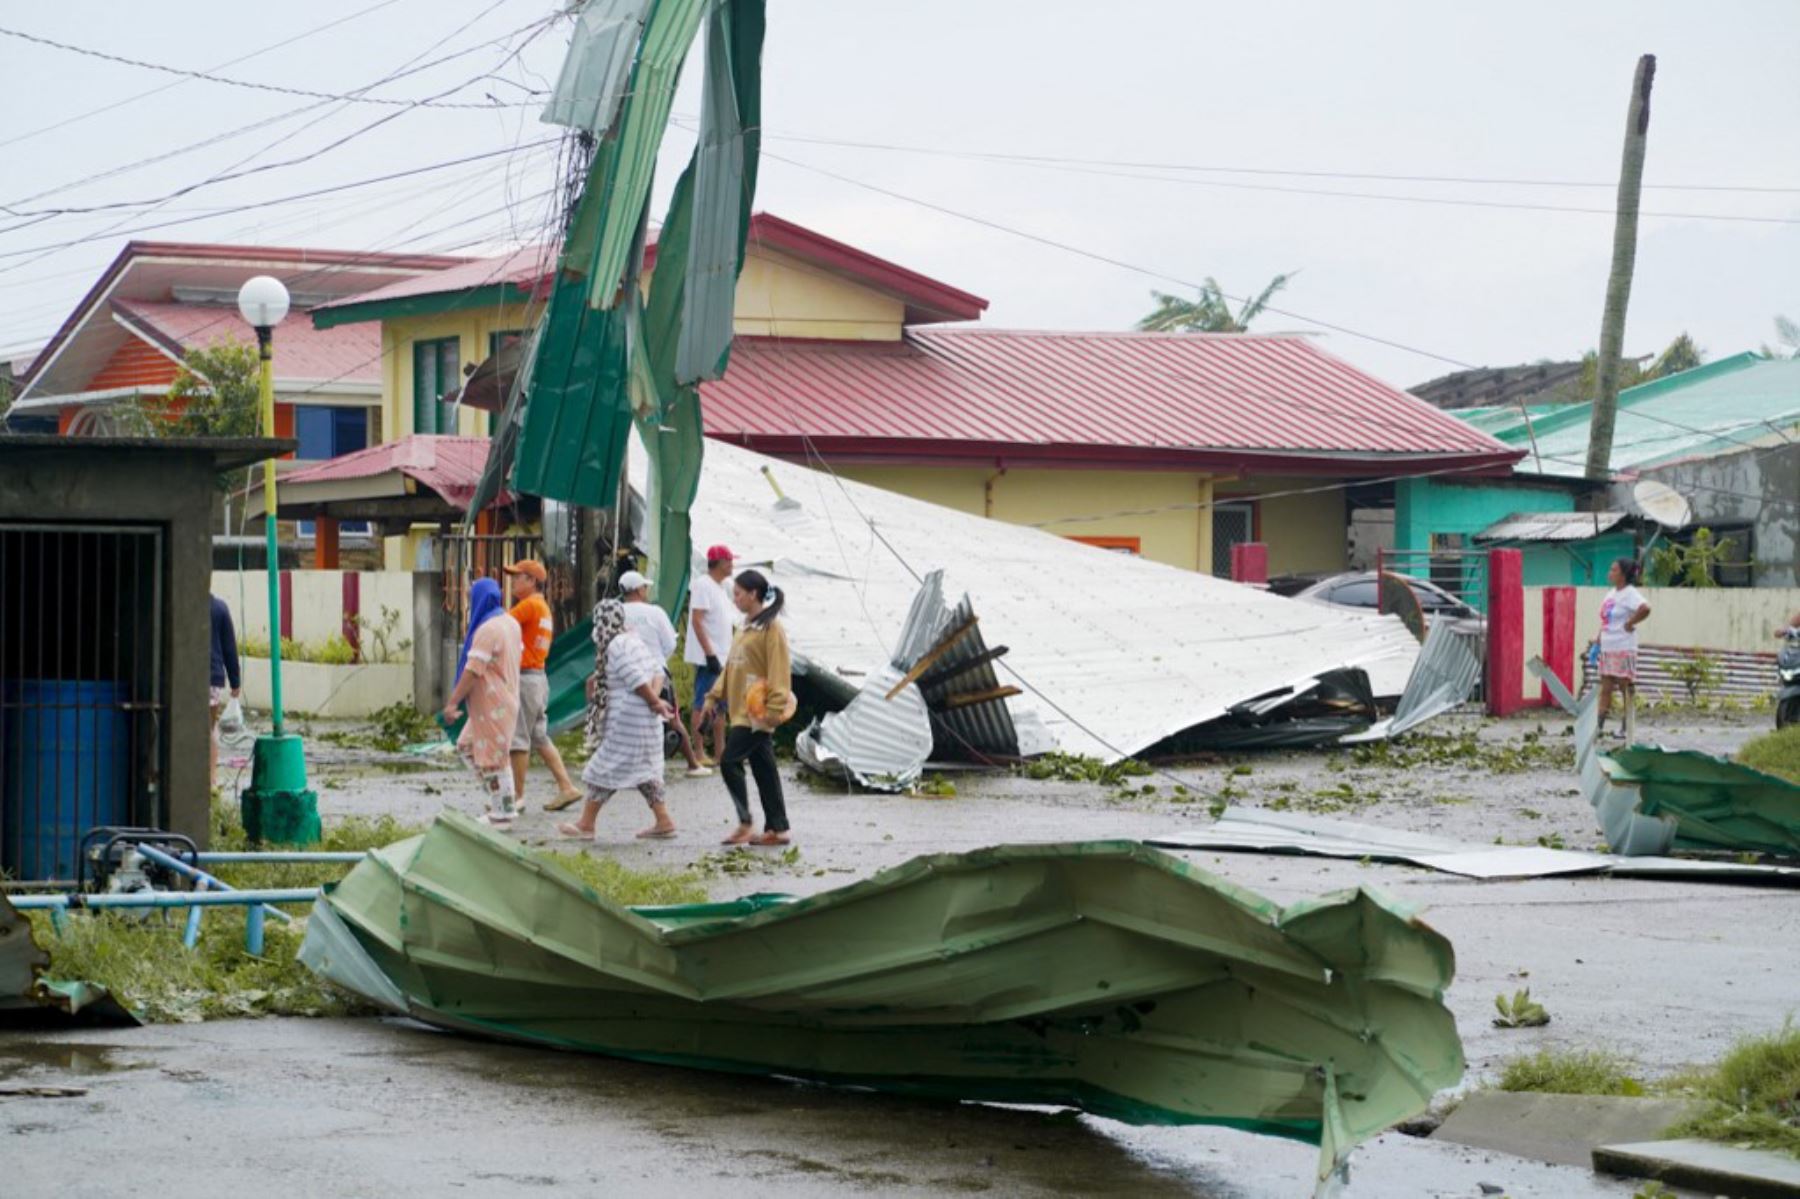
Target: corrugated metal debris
pixel 1650 800
pixel 1255 830
pixel 1117 654
pixel 937 699
pixel 1445 676
pixel 965 976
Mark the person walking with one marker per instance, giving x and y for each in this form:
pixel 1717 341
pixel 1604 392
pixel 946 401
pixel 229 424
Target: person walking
pixel 1621 612
pixel 757 691
pixel 487 681
pixel 653 627
pixel 227 679
pixel 537 629
pixel 626 712
pixel 708 641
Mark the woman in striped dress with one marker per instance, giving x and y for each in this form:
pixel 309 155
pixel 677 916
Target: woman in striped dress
pixel 626 712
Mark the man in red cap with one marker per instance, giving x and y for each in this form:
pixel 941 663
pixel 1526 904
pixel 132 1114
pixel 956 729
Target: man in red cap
pixel 533 729
pixel 709 641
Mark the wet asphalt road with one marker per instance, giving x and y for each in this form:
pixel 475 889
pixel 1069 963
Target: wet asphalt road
pixel 1667 973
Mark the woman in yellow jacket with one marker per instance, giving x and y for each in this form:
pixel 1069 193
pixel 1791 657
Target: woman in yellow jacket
pixel 757 691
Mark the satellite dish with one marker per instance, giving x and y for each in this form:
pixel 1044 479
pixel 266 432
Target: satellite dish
pixel 1662 503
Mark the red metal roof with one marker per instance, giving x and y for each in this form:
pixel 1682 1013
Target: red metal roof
pixel 1140 399
pixel 926 299
pixel 450 466
pixel 523 269
pixel 351 353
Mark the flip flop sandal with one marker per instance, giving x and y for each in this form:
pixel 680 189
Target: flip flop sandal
pixel 734 839
pixel 768 840
pixel 657 834
pixel 563 802
pixel 574 832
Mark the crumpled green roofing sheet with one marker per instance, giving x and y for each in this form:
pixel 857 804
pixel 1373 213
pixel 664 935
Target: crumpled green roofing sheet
pixel 1106 976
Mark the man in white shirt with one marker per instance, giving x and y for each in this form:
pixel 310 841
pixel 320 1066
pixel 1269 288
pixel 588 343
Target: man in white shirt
pixel 651 625
pixel 709 639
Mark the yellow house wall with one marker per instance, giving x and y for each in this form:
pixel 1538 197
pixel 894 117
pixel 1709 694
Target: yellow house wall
pixel 1304 533
pixel 778 296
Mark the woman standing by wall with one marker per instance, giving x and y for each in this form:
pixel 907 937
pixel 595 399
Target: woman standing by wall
pixel 757 690
pixel 1621 612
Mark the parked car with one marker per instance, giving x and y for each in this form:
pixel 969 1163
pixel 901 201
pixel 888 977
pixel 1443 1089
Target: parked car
pixel 1359 589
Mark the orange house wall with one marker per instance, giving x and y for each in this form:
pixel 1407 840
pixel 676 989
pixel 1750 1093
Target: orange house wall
pixel 134 364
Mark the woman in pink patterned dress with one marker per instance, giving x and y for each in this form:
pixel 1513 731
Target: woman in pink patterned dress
pixel 1621 612
pixel 488 682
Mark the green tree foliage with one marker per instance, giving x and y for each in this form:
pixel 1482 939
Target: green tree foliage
pixel 1787 333
pixel 1210 311
pixel 1693 565
pixel 1679 355
pixel 214 395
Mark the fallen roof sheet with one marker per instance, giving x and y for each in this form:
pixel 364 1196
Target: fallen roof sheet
pixel 1650 800
pixel 1248 830
pixel 1112 669
pixel 1443 678
pixel 1102 975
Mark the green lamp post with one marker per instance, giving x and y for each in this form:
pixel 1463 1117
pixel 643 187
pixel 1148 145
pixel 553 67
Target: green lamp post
pixel 278 806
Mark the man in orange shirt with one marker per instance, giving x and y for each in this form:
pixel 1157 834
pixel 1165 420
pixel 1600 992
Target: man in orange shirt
pixel 533 730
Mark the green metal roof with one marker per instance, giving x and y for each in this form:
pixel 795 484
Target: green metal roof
pixel 1719 408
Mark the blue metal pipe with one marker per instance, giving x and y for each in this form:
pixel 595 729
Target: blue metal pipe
pixel 200 876
pixel 191 937
pixel 253 930
pixel 164 899
pixel 300 856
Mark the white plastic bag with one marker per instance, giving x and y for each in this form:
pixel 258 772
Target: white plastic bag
pixel 231 720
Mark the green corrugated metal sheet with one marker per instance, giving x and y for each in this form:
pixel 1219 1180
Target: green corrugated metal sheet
pixel 1102 975
pixel 595 71
pixel 1713 409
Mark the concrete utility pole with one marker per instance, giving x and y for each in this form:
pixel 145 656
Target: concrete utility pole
pixel 1618 284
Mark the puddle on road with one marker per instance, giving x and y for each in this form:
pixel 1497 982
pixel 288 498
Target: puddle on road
pixel 20 1056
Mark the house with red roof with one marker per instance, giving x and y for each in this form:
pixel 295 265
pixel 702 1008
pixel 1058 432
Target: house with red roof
pixel 1172 446
pixel 157 301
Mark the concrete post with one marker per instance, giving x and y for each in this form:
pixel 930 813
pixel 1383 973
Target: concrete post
pixel 1559 638
pixel 428 619
pixel 1505 632
pixel 1250 562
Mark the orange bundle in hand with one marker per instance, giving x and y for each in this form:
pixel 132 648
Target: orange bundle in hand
pixel 757 701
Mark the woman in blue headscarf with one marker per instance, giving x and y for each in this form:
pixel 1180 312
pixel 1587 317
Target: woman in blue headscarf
pixel 487 679
pixel 484 604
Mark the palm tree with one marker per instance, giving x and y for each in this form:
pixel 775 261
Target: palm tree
pixel 1787 332
pixel 1210 311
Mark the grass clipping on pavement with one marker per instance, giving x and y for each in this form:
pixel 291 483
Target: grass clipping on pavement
pixel 140 958
pixel 1751 1095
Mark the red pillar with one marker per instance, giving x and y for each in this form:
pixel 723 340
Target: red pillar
pixel 1559 637
pixel 353 609
pixel 325 544
pixel 1250 562
pixel 1505 632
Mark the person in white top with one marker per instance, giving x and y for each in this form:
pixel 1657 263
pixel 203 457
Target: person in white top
pixel 1621 612
pixel 651 625
pixel 709 641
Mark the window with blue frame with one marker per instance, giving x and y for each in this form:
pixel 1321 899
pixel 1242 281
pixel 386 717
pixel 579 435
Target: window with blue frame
pixel 325 432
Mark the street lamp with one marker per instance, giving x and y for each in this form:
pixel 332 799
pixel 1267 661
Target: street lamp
pixel 277 806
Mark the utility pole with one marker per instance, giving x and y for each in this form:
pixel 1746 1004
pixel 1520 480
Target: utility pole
pixel 1618 284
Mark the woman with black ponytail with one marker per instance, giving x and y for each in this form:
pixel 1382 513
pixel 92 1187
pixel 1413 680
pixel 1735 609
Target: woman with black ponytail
pixel 757 691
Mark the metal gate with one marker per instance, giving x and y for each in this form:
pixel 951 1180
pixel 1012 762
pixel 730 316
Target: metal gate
pixel 82 735
pixel 1233 524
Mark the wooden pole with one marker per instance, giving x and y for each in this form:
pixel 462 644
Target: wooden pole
pixel 1618 284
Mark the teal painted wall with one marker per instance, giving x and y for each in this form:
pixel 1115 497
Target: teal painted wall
pixel 1423 507
pixel 1426 506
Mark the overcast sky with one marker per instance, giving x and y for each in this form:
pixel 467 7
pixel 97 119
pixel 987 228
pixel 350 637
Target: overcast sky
pixel 1327 90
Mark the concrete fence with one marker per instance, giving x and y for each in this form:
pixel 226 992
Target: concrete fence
pixel 403 607
pixel 1717 621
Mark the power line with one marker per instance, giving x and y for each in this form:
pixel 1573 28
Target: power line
pixel 1127 164
pixel 132 99
pixel 251 85
pixel 232 173
pixel 1110 261
pixel 305 195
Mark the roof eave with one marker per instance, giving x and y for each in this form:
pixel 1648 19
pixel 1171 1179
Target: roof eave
pixel 432 304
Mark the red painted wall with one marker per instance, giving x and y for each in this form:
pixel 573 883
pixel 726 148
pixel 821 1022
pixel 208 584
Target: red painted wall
pixel 1506 632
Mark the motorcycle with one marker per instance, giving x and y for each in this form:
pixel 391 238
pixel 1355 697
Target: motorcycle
pixel 1787 669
